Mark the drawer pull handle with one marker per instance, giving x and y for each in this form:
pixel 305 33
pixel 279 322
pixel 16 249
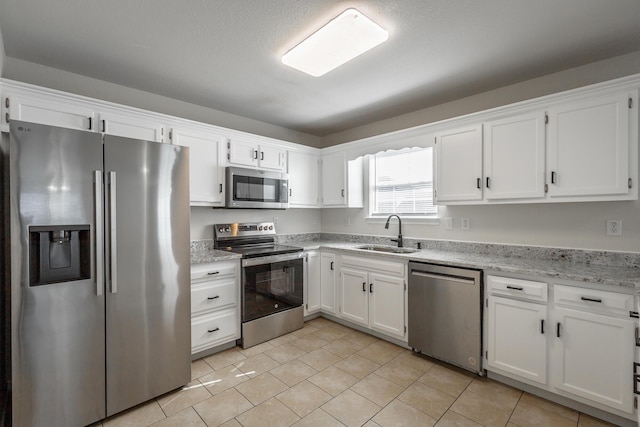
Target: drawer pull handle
pixel 542 326
pixel 213 330
pixel 216 297
pixel 364 287
pixel 515 288
pixel 558 330
pixel 370 287
pixel 591 299
pixel 211 273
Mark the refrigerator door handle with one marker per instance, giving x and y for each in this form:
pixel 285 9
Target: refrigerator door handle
pixel 99 229
pixel 113 255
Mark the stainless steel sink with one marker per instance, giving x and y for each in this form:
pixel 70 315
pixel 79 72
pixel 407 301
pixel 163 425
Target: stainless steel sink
pixel 387 249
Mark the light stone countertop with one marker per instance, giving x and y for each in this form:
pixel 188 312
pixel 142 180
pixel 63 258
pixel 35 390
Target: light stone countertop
pixel 626 277
pixel 205 255
pixel 531 266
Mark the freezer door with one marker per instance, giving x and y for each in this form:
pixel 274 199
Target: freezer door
pixel 147 287
pixel 57 320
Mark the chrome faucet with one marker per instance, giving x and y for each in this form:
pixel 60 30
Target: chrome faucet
pixel 399 239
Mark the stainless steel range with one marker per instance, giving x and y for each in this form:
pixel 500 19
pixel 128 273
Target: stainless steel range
pixel 272 280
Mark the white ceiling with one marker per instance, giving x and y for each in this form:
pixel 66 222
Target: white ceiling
pixel 225 54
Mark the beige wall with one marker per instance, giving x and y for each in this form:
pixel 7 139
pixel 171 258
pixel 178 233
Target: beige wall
pixel 565 225
pixel 570 225
pixel 596 72
pixel 29 72
pixel 290 221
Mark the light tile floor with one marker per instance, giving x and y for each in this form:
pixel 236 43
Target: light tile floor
pixel 329 375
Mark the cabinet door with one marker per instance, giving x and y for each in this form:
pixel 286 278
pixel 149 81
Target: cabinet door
pixel 354 287
pixel 517 338
pixel 312 290
pixel 459 165
pixel 303 180
pixel 130 126
pixel 328 283
pixel 514 157
pixel 589 147
pixel 206 169
pixel 273 158
pixel 334 180
pixel 243 152
pixel 386 304
pixel 593 357
pixel 61 114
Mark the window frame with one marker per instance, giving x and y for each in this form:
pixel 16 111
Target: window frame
pixel 430 218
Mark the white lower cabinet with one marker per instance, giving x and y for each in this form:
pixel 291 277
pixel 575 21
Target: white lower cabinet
pixel 517 340
pixel 215 313
pixel 312 283
pixel 373 294
pixel 328 282
pixel 592 351
pixel 586 336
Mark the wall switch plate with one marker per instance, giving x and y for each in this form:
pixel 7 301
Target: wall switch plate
pixel 465 223
pixel 614 227
pixel 448 223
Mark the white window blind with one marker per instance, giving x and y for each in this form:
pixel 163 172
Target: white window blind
pixel 403 183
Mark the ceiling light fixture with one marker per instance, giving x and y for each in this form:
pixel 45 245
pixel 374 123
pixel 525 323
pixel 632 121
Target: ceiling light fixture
pixel 345 37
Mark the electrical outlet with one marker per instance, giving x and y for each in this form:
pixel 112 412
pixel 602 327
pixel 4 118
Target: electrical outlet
pixel 275 219
pixel 614 227
pixel 465 223
pixel 448 223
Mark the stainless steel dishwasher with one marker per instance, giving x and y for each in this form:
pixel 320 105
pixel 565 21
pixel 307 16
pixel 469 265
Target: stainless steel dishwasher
pixel 445 314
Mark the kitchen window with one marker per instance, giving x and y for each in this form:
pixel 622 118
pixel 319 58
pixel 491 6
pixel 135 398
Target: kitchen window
pixel 401 182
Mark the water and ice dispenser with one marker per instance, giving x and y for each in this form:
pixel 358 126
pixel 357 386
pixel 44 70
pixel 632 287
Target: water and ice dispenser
pixel 60 253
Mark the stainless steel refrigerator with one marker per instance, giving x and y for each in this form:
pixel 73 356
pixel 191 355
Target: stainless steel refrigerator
pixel 95 253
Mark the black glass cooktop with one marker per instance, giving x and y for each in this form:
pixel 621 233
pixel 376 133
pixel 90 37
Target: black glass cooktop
pixel 266 250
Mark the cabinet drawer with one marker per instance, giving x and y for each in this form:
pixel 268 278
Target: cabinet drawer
pixel 213 294
pixel 213 329
pixel 375 264
pixel 517 288
pixel 213 270
pixel 592 299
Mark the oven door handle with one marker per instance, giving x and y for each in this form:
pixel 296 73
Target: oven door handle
pixel 270 259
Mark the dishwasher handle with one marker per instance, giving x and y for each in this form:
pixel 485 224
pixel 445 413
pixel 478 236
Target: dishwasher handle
pixel 447 277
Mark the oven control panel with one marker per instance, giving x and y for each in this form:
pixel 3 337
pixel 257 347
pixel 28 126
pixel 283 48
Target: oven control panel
pixel 244 229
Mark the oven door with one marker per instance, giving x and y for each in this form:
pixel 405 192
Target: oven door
pixel 256 189
pixel 271 284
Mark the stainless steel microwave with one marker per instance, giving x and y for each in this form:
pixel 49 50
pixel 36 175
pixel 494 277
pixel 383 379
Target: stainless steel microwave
pixel 256 189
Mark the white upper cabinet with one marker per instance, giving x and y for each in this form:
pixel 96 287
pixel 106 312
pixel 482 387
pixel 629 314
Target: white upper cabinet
pixel 342 182
pixel 514 157
pixel 206 168
pixel 588 144
pixel 61 113
pixel 131 125
pixel 253 153
pixel 303 179
pixel 459 165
